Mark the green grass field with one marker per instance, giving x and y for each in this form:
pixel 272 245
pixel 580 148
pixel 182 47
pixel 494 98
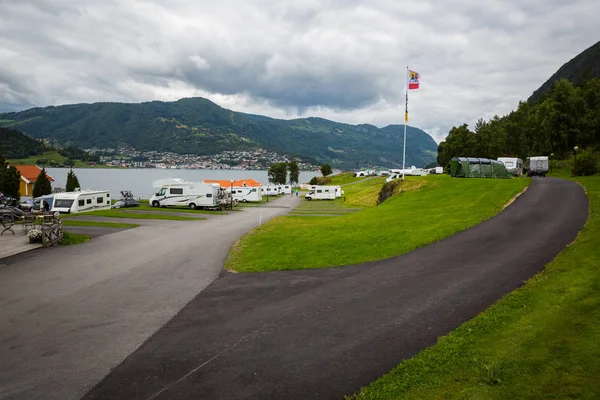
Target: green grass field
pixel 123 213
pixel 50 156
pixel 143 207
pixel 73 222
pixel 539 342
pixel 434 208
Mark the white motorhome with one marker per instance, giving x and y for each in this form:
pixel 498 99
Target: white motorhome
pixel 321 193
pixel 337 189
pixel 412 171
pixel 513 165
pixel 81 201
pixel 247 193
pixel 177 192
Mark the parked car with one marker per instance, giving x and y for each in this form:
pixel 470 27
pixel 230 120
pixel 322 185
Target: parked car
pixel 126 203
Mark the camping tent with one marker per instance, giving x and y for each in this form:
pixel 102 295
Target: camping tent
pixel 471 167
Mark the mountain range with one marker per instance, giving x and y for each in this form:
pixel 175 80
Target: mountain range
pixel 199 126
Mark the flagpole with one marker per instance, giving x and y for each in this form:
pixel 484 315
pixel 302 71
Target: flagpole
pixel 405 122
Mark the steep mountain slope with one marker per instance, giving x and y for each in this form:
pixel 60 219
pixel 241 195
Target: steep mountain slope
pixel 15 144
pixel 584 65
pixel 197 125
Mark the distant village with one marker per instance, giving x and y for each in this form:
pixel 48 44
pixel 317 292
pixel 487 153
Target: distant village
pixel 127 157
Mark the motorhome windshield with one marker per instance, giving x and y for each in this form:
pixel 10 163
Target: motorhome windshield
pixel 161 192
pixel 63 203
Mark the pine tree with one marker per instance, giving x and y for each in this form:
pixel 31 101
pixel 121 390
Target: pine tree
pixel 42 184
pixel 72 181
pixel 10 178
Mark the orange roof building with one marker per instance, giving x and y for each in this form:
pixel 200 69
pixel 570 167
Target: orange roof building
pixel 238 183
pixel 29 174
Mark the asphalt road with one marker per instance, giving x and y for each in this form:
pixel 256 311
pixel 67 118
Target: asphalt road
pixel 71 314
pixel 326 333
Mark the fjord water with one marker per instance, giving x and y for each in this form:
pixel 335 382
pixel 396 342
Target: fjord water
pixel 139 181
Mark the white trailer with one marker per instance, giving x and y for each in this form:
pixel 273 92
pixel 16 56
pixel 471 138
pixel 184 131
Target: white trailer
pixel 321 193
pixel 513 165
pixel 337 189
pixel 81 201
pixel 271 190
pixel 247 193
pixel 177 192
pixel 537 166
pixel 285 189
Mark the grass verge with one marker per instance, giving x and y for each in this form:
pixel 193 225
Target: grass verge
pixel 73 222
pixel 440 207
pixel 118 213
pixel 538 342
pixel 70 238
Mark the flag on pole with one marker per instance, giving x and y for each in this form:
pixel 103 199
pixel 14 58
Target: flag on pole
pixel 413 80
pixel 406 109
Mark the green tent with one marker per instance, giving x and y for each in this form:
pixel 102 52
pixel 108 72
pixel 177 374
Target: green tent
pixel 471 167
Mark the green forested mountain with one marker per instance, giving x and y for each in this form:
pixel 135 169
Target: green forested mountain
pixel 584 66
pixel 197 125
pixel 15 144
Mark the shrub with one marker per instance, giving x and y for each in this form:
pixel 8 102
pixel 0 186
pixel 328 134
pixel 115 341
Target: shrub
pixel 586 163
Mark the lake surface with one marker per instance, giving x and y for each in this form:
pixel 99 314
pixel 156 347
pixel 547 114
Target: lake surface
pixel 139 181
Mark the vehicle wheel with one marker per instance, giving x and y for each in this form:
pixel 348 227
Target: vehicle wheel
pixel 308 198
pixel 192 206
pixel 244 201
pixel 155 204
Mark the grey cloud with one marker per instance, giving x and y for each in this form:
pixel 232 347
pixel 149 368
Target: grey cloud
pixel 340 59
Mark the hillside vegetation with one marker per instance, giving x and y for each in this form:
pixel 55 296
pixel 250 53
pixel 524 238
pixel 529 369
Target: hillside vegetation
pixel 199 126
pixel 14 144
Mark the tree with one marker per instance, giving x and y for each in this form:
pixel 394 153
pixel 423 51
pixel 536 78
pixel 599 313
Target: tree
pixel 42 184
pixel 72 181
pixel 326 169
pixel 10 178
pixel 294 172
pixel 68 162
pixel 278 173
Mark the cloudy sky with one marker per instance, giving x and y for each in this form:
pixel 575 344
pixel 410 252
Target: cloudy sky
pixel 340 59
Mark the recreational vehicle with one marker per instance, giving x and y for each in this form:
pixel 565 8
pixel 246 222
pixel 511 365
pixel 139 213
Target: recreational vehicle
pixel 177 192
pixel 513 165
pixel 285 189
pixel 412 171
pixel 245 194
pixel 337 189
pixel 537 166
pixel 43 202
pixel 322 193
pixel 271 190
pixel 81 201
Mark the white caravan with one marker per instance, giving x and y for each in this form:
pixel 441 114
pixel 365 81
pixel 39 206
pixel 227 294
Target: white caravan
pixel 321 193
pixel 412 171
pixel 271 190
pixel 513 165
pixel 537 166
pixel 337 189
pixel 81 201
pixel 246 193
pixel 285 189
pixel 177 192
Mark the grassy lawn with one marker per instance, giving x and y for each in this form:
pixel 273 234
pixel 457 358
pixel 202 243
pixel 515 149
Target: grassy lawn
pixel 539 342
pixel 143 207
pixel 50 156
pixel 436 207
pixel 74 238
pixel 119 213
pixel 73 222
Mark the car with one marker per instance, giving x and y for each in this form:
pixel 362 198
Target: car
pixel 26 205
pixel 126 203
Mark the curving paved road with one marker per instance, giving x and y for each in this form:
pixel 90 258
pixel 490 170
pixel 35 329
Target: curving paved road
pixel 71 314
pixel 326 333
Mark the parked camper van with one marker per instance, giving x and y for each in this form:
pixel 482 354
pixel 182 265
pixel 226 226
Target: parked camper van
pixel 537 166
pixel 321 193
pixel 271 190
pixel 81 201
pixel 177 192
pixel 38 202
pixel 513 165
pixel 285 189
pixel 245 194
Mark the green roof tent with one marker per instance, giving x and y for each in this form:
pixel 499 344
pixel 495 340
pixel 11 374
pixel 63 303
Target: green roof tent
pixel 471 167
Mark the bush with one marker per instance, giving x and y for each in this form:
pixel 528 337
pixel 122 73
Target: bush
pixel 586 163
pixel 41 161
